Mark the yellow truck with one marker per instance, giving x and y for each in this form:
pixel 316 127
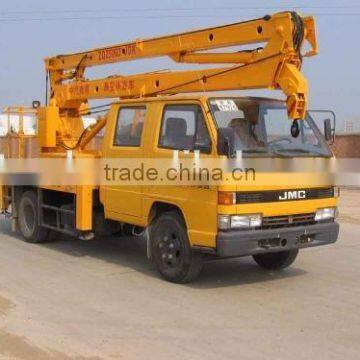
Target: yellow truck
pixel 159 114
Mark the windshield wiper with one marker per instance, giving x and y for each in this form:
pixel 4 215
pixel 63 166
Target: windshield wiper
pixel 250 151
pixel 275 152
pixel 255 150
pixel 302 150
pixel 261 151
pixel 269 150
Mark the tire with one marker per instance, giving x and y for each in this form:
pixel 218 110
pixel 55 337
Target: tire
pixel 276 261
pixel 171 250
pixel 103 227
pixel 28 219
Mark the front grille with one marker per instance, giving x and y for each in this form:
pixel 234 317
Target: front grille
pixel 281 195
pixel 274 222
pixel 320 193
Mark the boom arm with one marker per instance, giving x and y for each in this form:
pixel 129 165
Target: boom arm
pixel 276 65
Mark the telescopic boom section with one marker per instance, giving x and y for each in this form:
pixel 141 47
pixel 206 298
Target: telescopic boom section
pixel 274 65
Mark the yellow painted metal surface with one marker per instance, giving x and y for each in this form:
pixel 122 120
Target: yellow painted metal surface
pixel 277 27
pixel 2 198
pixel 84 208
pixel 122 200
pixel 48 122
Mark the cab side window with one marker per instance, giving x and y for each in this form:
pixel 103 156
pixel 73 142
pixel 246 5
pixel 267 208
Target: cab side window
pixel 129 126
pixel 183 128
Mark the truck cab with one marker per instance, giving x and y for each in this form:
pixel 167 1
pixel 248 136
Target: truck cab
pixel 269 220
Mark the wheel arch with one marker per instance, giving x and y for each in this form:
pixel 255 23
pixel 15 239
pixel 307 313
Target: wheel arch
pixel 159 207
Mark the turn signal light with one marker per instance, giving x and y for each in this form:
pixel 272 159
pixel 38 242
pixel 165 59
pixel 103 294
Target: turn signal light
pixel 226 198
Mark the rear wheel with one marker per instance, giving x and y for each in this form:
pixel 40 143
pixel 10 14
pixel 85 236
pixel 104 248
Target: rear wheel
pixel 171 250
pixel 28 219
pixel 276 261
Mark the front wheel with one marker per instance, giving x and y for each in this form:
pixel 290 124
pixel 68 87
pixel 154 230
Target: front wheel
pixel 171 250
pixel 276 261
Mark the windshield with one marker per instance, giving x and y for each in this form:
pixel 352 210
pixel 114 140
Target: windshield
pixel 255 126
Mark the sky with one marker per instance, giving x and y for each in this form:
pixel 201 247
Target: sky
pixel 32 30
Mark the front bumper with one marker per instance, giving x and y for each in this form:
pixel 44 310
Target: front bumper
pixel 250 242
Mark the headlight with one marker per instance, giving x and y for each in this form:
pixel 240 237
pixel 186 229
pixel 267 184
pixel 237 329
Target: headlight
pixel 325 214
pixel 226 222
pixel 245 221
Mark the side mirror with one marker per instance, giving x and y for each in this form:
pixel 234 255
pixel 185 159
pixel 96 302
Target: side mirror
pixel 328 133
pixel 327 120
pixel 223 144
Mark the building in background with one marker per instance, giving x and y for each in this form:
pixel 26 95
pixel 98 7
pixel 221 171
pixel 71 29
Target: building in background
pixel 347 142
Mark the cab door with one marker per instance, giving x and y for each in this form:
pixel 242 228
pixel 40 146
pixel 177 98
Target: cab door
pixel 183 129
pixel 123 142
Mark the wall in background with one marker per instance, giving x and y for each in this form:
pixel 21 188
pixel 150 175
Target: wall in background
pixel 347 146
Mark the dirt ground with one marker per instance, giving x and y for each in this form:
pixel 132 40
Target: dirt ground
pixel 72 299
pixel 349 207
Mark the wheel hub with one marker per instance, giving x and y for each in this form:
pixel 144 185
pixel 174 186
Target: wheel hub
pixel 170 250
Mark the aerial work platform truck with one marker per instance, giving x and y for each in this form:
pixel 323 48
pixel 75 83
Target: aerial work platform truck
pixel 188 113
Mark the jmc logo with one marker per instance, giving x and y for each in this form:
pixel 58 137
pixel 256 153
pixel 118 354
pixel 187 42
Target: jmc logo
pixel 293 195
